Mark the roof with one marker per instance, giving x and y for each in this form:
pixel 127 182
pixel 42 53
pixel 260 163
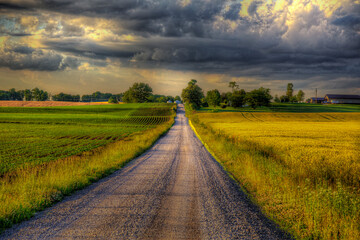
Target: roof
pixel 342 96
pixel 318 98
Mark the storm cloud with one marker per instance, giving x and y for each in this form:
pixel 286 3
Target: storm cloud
pixel 270 40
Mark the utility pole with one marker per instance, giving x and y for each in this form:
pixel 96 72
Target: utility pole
pixel 316 100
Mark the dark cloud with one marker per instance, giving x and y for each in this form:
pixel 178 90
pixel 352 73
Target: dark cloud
pixel 10 6
pixel 89 49
pixel 201 35
pixel 350 21
pixel 233 12
pixel 24 57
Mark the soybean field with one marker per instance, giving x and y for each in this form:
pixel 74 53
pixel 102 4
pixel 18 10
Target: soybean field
pixel 32 136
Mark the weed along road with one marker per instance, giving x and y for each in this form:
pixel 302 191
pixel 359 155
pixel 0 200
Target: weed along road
pixel 176 190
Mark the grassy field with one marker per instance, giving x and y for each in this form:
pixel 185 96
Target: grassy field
pixel 290 107
pixel 46 153
pixel 301 168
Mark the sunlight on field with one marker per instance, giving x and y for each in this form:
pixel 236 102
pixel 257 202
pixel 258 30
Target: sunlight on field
pixel 309 162
pixel 47 153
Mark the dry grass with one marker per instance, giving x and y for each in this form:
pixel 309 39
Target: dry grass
pixel 302 168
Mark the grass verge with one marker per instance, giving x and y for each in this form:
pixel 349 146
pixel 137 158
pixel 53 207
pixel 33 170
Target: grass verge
pixel 24 192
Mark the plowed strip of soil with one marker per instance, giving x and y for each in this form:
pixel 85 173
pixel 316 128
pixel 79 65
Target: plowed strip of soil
pixel 45 103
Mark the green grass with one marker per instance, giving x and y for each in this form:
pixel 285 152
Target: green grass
pixel 47 153
pixel 290 107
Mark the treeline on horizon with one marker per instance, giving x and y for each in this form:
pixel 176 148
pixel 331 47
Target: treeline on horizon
pixel 195 97
pixel 138 93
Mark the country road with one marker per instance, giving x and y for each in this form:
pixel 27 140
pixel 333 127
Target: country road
pixel 176 190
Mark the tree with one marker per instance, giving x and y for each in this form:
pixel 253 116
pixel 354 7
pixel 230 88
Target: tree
pixel 213 97
pixel 238 98
pixel 258 97
pixel 290 90
pixel 192 94
pixel 233 86
pixel 27 95
pixel 277 99
pixel 284 99
pixel 300 96
pixel 138 93
pixel 39 95
pixel 113 99
pixel 177 98
pixel 226 97
pixel 66 97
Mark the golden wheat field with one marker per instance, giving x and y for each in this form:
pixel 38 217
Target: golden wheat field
pixel 302 168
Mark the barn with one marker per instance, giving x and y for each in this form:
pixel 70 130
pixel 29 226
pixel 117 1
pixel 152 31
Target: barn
pixel 342 99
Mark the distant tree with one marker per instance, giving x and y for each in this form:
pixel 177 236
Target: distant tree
pixel 12 94
pixel 138 93
pixel 233 85
pixel 226 97
pixel 192 94
pixel 39 95
pixel 27 95
pixel 113 99
pixel 300 96
pixel 238 98
pixel 284 99
pixel 258 97
pixel 4 95
pixel 177 98
pixel 293 99
pixel 161 99
pixel 290 90
pixel 204 103
pixel 20 94
pixel 277 99
pixel 213 97
pixel 66 97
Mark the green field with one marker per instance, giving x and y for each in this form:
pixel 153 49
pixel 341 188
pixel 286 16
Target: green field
pixel 289 107
pixel 32 136
pixel 48 152
pixel 301 168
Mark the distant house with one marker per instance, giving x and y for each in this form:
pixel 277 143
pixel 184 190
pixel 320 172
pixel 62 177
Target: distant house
pixel 169 101
pixel 178 102
pixel 342 99
pixel 317 100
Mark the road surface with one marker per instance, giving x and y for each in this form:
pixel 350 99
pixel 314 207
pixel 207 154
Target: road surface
pixel 176 190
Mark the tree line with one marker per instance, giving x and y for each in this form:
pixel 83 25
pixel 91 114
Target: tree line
pixel 27 95
pixel 194 96
pixel 137 93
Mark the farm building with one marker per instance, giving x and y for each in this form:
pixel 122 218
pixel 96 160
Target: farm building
pixel 317 100
pixel 342 98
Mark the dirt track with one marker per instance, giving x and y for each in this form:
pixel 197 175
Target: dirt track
pixel 176 190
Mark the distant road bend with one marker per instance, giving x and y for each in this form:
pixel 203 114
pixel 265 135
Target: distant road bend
pixel 176 190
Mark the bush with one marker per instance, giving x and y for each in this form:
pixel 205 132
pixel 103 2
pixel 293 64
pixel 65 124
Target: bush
pixel 113 100
pixel 223 105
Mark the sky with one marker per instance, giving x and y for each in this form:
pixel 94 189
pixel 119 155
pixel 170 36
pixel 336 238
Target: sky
pixel 85 46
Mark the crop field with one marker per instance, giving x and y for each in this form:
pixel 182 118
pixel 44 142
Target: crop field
pixel 290 107
pixel 301 168
pixel 31 136
pixel 48 152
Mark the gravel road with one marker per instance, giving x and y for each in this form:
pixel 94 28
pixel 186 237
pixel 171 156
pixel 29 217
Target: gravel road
pixel 176 190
